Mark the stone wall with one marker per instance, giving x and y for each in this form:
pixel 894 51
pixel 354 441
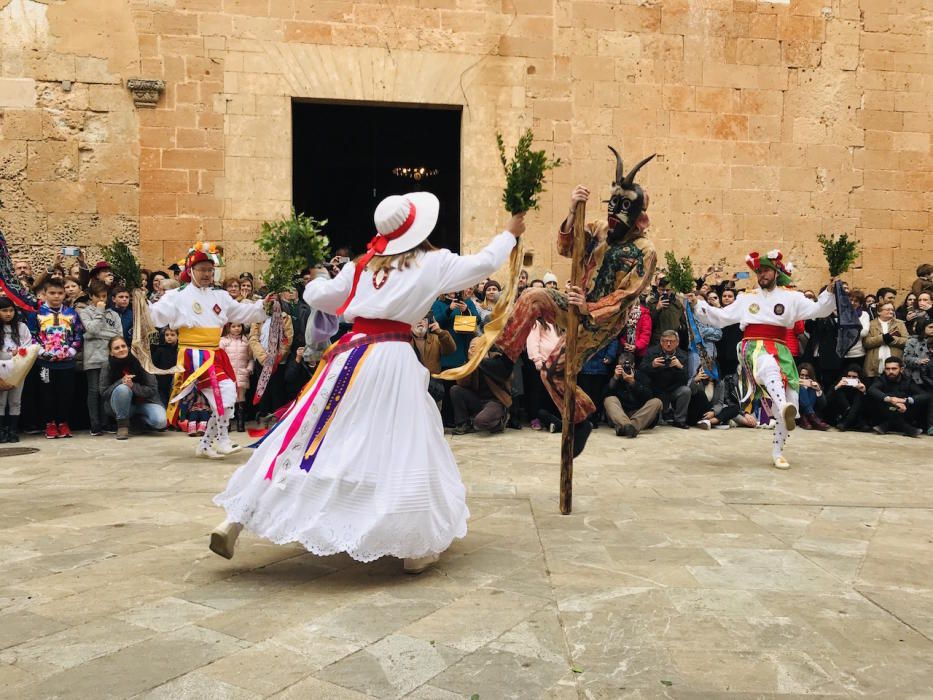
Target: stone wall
pixel 773 122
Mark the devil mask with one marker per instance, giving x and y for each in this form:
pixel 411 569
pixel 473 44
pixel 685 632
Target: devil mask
pixel 628 201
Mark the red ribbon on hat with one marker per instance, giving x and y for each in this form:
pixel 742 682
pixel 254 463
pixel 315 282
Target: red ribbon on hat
pixel 377 246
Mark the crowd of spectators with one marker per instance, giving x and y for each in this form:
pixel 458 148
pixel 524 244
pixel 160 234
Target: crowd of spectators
pixel 86 378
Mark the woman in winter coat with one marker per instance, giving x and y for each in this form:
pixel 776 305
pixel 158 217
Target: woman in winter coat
pixel 886 338
pixel 128 390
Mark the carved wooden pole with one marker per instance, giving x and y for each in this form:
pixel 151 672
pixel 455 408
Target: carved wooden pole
pixel 570 364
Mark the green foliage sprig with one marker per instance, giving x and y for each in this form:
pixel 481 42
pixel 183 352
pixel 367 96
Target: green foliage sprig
pixel 124 264
pixel 292 245
pixel 680 273
pixel 840 252
pixel 524 174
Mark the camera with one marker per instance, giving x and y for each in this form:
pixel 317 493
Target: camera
pixel 71 251
pixel 627 367
pixel 667 359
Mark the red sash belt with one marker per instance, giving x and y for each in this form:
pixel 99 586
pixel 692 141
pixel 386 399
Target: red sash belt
pixel 764 331
pixel 370 331
pixel 379 326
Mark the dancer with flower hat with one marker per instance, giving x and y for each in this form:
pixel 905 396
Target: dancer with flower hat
pixel 359 463
pixel 199 312
pixel 765 314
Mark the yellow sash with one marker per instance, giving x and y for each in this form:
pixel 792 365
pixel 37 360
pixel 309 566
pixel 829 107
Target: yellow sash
pixel 202 338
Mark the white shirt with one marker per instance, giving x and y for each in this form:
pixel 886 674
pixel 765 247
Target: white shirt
pixel 202 307
pixel 778 307
pixel 407 295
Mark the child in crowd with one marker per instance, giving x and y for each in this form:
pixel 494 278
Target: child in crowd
pixel 100 325
pixel 235 344
pixel 60 336
pixel 198 413
pixel 121 304
pixel 165 356
pixel 14 335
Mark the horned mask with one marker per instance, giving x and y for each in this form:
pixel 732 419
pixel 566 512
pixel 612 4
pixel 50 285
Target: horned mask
pixel 628 202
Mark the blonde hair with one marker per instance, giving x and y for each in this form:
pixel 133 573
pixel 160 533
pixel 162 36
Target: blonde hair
pixel 401 261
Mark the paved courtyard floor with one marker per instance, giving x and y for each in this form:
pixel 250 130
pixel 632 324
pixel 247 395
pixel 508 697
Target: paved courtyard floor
pixel 689 569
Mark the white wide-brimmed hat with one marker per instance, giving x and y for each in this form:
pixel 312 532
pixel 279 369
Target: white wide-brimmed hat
pixel 402 223
pixel 405 221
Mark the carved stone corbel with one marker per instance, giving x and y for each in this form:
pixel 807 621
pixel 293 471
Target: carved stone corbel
pixel 145 92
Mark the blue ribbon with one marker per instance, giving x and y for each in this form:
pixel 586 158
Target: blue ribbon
pixel 697 345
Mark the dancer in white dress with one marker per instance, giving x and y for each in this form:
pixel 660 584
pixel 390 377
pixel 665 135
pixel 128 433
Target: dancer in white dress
pixel 359 463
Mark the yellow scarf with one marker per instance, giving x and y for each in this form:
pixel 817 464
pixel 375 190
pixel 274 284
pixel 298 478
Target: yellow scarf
pixel 497 320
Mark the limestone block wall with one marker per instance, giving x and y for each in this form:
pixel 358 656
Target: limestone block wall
pixel 773 122
pixel 69 171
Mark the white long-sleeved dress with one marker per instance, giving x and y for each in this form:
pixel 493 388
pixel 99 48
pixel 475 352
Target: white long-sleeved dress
pixel 383 480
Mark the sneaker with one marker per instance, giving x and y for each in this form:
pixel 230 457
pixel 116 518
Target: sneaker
pixel 913 432
pixel 628 431
pixel 930 431
pixel 704 424
pixel 681 425
pixel 880 429
pixel 51 431
pixel 64 431
pixel 96 432
pixel 536 424
pixel 463 429
pixel 553 428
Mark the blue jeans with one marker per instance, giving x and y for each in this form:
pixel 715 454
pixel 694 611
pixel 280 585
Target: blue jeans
pixel 807 400
pixel 121 401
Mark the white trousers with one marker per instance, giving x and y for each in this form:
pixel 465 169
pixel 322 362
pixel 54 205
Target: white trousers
pixel 768 377
pixel 218 426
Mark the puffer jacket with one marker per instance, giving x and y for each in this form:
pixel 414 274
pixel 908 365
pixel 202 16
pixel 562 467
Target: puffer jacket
pixel 100 325
pixel 241 359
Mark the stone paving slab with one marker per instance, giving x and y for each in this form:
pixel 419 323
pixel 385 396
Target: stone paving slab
pixel 688 569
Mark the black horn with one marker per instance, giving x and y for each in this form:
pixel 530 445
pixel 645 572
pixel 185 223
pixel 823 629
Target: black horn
pixel 630 178
pixel 619 168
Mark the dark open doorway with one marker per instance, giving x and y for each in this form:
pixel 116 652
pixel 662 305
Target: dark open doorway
pixel 348 157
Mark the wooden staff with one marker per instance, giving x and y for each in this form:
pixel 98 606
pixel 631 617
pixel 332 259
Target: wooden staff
pixel 570 363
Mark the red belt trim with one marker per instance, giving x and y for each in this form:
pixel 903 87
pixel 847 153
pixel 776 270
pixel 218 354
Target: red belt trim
pixel 377 326
pixel 765 331
pixel 346 344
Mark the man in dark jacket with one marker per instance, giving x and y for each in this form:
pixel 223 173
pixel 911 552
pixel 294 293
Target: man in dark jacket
pixel 666 368
pixel 896 400
pixel 667 312
pixel 481 400
pixel 629 405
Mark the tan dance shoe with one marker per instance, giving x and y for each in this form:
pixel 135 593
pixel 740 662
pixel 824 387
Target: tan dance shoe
pixel 223 538
pixel 417 565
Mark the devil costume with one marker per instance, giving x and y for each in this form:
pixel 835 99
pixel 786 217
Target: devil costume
pixel 359 463
pixel 766 363
pixel 618 263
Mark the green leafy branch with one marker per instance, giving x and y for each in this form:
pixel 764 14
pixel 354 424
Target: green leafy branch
pixel 123 263
pixel 292 244
pixel 841 253
pixel 524 174
pixel 680 273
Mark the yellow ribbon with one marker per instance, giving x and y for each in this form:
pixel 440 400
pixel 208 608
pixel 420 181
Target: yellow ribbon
pixel 500 315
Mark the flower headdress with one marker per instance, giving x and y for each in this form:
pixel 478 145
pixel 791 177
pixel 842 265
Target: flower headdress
pixel 773 259
pixel 201 251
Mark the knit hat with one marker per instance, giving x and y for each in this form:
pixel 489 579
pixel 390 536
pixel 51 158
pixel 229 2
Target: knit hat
pixel 549 277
